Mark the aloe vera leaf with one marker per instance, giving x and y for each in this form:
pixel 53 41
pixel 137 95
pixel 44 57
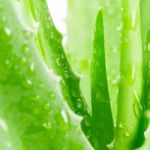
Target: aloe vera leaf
pixel 51 41
pixel 103 128
pixel 146 73
pixel 146 89
pixel 80 26
pixel 129 98
pixel 146 144
pixel 33 114
pixel 145 22
pixel 113 26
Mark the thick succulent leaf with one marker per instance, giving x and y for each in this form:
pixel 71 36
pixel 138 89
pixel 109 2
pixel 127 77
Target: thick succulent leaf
pixel 80 24
pixel 33 114
pixel 146 93
pixel 146 144
pixel 129 110
pixel 146 51
pixel 50 41
pixel 101 112
pixel 113 26
pixel 80 30
pixel 145 27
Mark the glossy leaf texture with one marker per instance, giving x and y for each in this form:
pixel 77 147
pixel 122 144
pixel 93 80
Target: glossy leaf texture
pixel 33 114
pixel 113 27
pixel 80 25
pixel 50 43
pixel 103 127
pixel 146 103
pixel 129 108
pixel 145 23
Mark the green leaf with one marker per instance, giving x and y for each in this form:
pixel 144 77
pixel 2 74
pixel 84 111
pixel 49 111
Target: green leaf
pixel 129 111
pixel 33 114
pixel 146 99
pixel 101 112
pixel 113 26
pixel 50 41
pixel 80 24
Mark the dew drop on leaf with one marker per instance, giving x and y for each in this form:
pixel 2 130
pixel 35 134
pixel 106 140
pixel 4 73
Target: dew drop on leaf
pixel 121 125
pixel 24 59
pixel 25 49
pixel 3 125
pixel 79 104
pixel 119 28
pixel 137 106
pixel 32 67
pixel 8 31
pixel 47 125
pixel 7 62
pixel 64 115
pixel 27 83
pixel 134 19
pixel 127 134
pixel 47 106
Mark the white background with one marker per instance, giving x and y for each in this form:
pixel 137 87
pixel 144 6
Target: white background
pixel 58 9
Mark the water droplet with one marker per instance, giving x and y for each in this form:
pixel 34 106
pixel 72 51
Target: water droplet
pixel 137 106
pixel 64 115
pixel 7 62
pixel 32 67
pixel 119 28
pixel 127 134
pixel 29 82
pixel 111 145
pixel 134 18
pixel 121 126
pixel 8 31
pixel 79 104
pixel 47 125
pixel 3 125
pixel 47 106
pixel 116 81
pixel 122 9
pixel 24 59
pixel 131 73
pixel 25 49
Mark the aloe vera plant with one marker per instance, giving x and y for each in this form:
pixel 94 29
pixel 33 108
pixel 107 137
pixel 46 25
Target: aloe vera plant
pixel 100 100
pixel 44 106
